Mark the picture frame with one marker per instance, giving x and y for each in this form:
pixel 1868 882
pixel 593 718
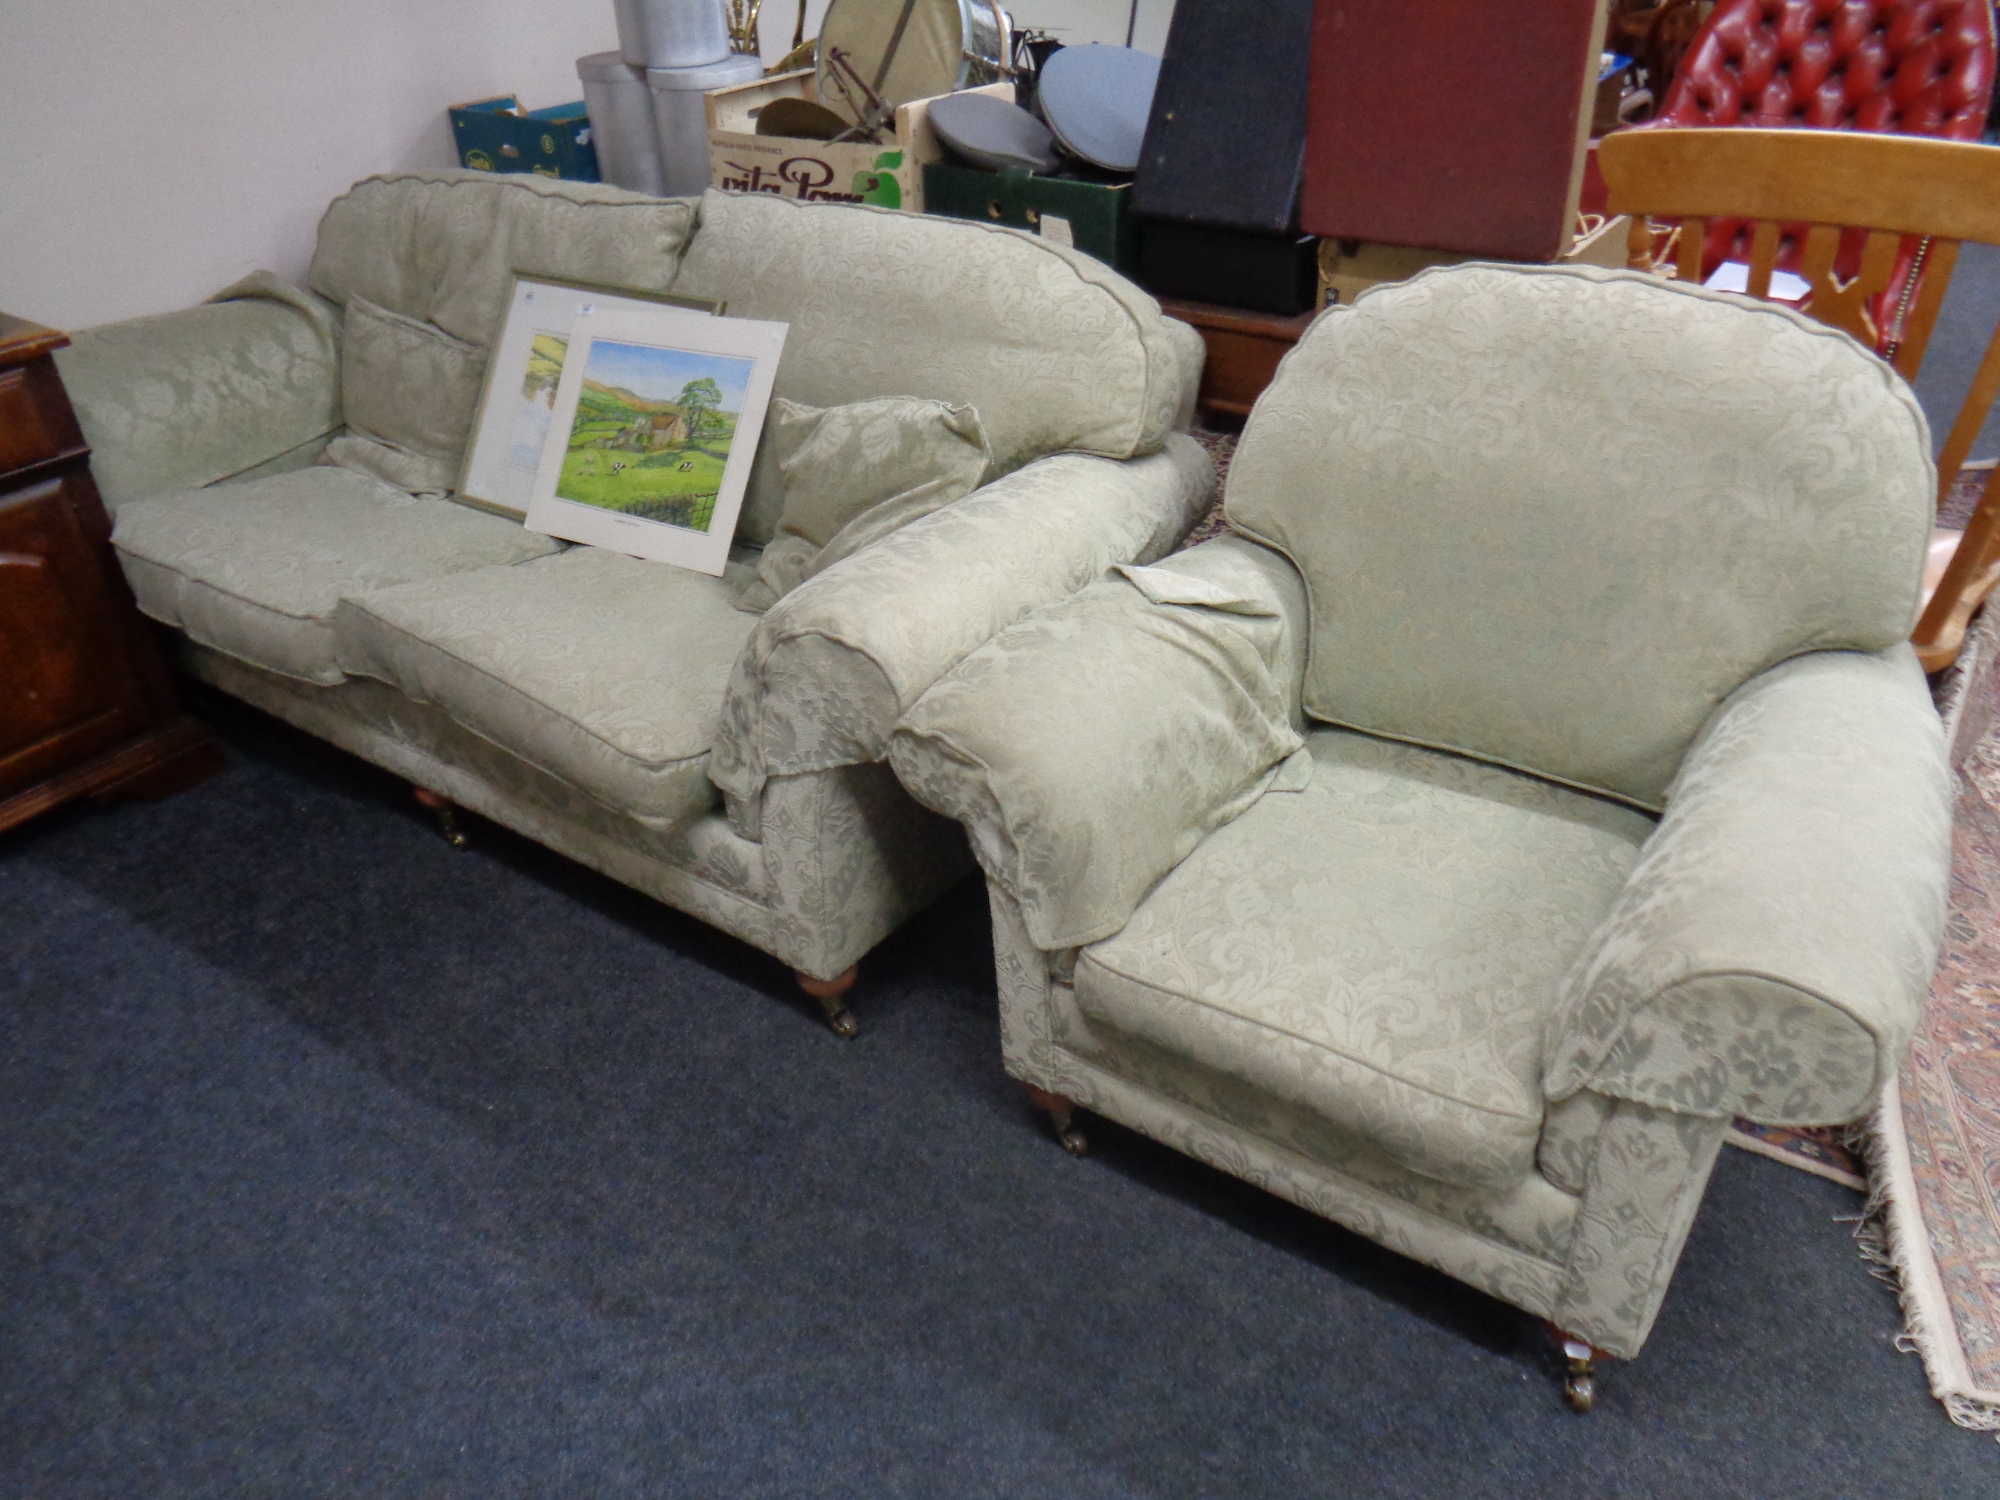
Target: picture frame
pixel 521 377
pixel 653 431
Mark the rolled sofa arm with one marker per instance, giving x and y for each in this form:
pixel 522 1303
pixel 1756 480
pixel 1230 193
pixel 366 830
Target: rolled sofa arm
pixel 186 398
pixel 1771 951
pixel 833 664
pixel 1191 353
pixel 1089 748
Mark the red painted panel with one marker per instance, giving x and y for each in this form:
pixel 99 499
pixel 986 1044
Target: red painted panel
pixel 1450 124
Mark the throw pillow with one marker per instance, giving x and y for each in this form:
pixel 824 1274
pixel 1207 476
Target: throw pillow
pixel 845 476
pixel 410 391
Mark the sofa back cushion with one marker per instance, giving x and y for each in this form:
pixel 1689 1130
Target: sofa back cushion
pixel 411 386
pixel 422 264
pixel 443 247
pixel 1552 517
pixel 1055 350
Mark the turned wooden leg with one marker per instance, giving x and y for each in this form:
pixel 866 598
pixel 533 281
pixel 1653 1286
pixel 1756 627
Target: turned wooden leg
pixel 1060 1111
pixel 832 997
pixel 446 812
pixel 1580 1369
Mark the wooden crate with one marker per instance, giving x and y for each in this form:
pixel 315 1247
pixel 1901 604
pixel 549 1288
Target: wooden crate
pixel 1347 269
pixel 890 175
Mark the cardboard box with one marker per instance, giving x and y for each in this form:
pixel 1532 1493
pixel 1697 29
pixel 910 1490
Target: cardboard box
pixel 1347 269
pixel 497 135
pixel 1092 216
pixel 889 175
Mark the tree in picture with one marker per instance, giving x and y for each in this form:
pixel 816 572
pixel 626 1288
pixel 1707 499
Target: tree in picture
pixel 699 399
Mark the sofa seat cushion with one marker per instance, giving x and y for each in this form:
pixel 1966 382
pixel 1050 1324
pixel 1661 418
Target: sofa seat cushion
pixel 1382 948
pixel 255 569
pixel 605 671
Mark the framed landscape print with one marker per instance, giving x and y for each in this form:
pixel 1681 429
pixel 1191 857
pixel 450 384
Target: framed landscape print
pixel 653 430
pixel 521 379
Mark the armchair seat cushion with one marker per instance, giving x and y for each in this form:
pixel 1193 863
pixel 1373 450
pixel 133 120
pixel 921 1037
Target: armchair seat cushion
pixel 256 569
pixel 605 671
pixel 1383 948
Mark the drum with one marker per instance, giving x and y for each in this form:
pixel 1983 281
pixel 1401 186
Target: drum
pixel 877 54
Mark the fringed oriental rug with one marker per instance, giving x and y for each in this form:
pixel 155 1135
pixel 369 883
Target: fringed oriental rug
pixel 1935 1147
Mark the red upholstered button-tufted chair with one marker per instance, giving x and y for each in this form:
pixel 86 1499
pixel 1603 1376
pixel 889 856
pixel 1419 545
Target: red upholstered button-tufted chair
pixel 1909 67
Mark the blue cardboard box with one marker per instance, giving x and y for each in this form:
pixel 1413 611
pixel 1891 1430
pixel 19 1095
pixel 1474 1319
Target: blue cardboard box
pixel 497 135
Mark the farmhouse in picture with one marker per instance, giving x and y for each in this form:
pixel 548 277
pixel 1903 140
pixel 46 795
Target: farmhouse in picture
pixel 658 428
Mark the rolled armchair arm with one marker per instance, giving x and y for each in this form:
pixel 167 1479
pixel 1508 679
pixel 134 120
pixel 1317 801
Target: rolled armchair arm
pixel 187 398
pixel 1089 748
pixel 833 664
pixel 1771 951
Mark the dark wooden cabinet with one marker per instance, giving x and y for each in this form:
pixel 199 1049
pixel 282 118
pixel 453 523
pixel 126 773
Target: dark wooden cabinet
pixel 1243 350
pixel 86 705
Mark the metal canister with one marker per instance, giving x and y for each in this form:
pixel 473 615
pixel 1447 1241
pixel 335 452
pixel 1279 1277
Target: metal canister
pixel 672 33
pixel 680 117
pixel 621 122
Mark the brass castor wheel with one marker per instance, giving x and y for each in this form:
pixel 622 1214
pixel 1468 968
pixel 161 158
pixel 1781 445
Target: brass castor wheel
pixel 1581 1392
pixel 1061 1112
pixel 832 997
pixel 1580 1373
pixel 446 813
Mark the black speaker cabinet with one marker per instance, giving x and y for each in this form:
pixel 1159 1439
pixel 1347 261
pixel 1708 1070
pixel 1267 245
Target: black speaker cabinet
pixel 1275 273
pixel 1217 191
pixel 1226 141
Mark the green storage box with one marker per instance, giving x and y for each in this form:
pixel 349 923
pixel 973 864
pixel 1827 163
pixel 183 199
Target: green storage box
pixel 1093 215
pixel 497 135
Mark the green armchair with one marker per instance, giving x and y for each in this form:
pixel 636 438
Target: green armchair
pixel 1537 778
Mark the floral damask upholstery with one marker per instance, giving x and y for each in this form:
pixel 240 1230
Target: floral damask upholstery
pixel 281 460
pixel 1459 845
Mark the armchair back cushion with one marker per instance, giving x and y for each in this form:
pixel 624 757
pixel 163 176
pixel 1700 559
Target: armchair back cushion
pixel 1550 518
pixel 1056 351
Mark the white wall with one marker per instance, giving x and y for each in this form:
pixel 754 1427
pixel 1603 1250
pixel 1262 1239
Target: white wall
pixel 152 151
pixel 1079 21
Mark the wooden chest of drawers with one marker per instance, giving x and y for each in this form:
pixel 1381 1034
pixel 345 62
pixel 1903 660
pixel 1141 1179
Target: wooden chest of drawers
pixel 86 705
pixel 1243 351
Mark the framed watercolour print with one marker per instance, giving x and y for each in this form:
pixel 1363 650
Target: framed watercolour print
pixel 521 378
pixel 653 429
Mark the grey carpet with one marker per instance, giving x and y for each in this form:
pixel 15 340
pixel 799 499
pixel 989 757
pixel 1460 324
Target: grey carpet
pixel 335 1163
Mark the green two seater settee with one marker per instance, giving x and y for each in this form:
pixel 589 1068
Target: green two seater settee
pixel 1537 777
pixel 280 461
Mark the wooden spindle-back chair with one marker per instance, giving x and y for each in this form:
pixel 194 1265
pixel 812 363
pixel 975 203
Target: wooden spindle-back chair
pixel 1946 192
